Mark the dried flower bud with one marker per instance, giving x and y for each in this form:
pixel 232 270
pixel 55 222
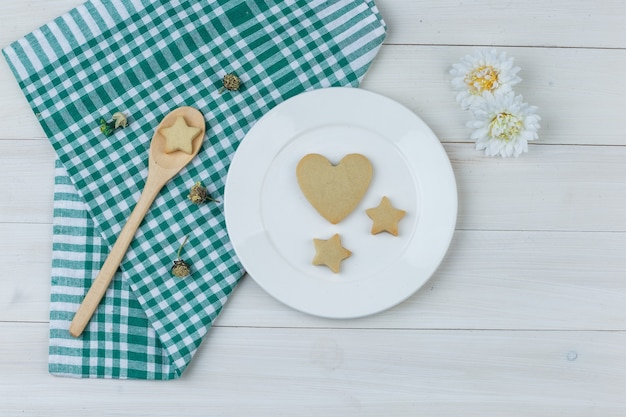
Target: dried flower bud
pixel 231 82
pixel 181 268
pixel 120 120
pixel 198 194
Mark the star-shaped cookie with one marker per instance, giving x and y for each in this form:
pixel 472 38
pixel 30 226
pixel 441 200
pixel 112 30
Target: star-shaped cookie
pixel 330 252
pixel 385 217
pixel 179 136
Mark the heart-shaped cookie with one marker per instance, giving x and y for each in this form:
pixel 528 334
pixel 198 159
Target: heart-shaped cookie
pixel 334 190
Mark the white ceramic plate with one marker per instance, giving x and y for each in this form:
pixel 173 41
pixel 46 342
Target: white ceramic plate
pixel 272 225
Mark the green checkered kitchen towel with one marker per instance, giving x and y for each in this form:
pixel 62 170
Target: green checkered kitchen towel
pixel 144 58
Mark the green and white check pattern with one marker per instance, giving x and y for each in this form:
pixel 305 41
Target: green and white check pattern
pixel 145 58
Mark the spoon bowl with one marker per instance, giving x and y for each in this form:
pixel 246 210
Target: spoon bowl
pixel 176 160
pixel 162 167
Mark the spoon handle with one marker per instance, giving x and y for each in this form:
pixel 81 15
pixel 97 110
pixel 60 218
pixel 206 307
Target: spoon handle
pixel 113 260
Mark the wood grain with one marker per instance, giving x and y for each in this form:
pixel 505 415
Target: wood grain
pixel 536 23
pixel 555 188
pixel 577 105
pixel 323 372
pixel 524 317
pixel 557 23
pixel 26 257
pixel 26 181
pixel 489 280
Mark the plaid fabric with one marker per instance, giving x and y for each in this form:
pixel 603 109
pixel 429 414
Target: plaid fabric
pixel 145 58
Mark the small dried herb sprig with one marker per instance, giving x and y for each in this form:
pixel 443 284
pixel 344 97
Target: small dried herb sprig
pixel 118 121
pixel 181 268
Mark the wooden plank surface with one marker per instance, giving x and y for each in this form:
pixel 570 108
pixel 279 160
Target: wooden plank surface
pixel 573 99
pixel 537 23
pixel 27 181
pixel 417 76
pixel 556 23
pixel 485 282
pixel 556 188
pixel 321 372
pixel 526 315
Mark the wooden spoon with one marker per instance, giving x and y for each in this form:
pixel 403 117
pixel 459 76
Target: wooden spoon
pixel 162 167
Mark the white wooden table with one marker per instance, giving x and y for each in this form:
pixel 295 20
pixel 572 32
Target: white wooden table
pixel 525 317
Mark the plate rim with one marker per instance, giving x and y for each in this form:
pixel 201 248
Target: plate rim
pixel 313 95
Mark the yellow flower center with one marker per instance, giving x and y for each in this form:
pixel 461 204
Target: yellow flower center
pixel 481 79
pixel 505 126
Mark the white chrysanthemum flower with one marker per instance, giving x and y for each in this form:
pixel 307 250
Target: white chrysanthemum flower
pixel 504 124
pixel 484 71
